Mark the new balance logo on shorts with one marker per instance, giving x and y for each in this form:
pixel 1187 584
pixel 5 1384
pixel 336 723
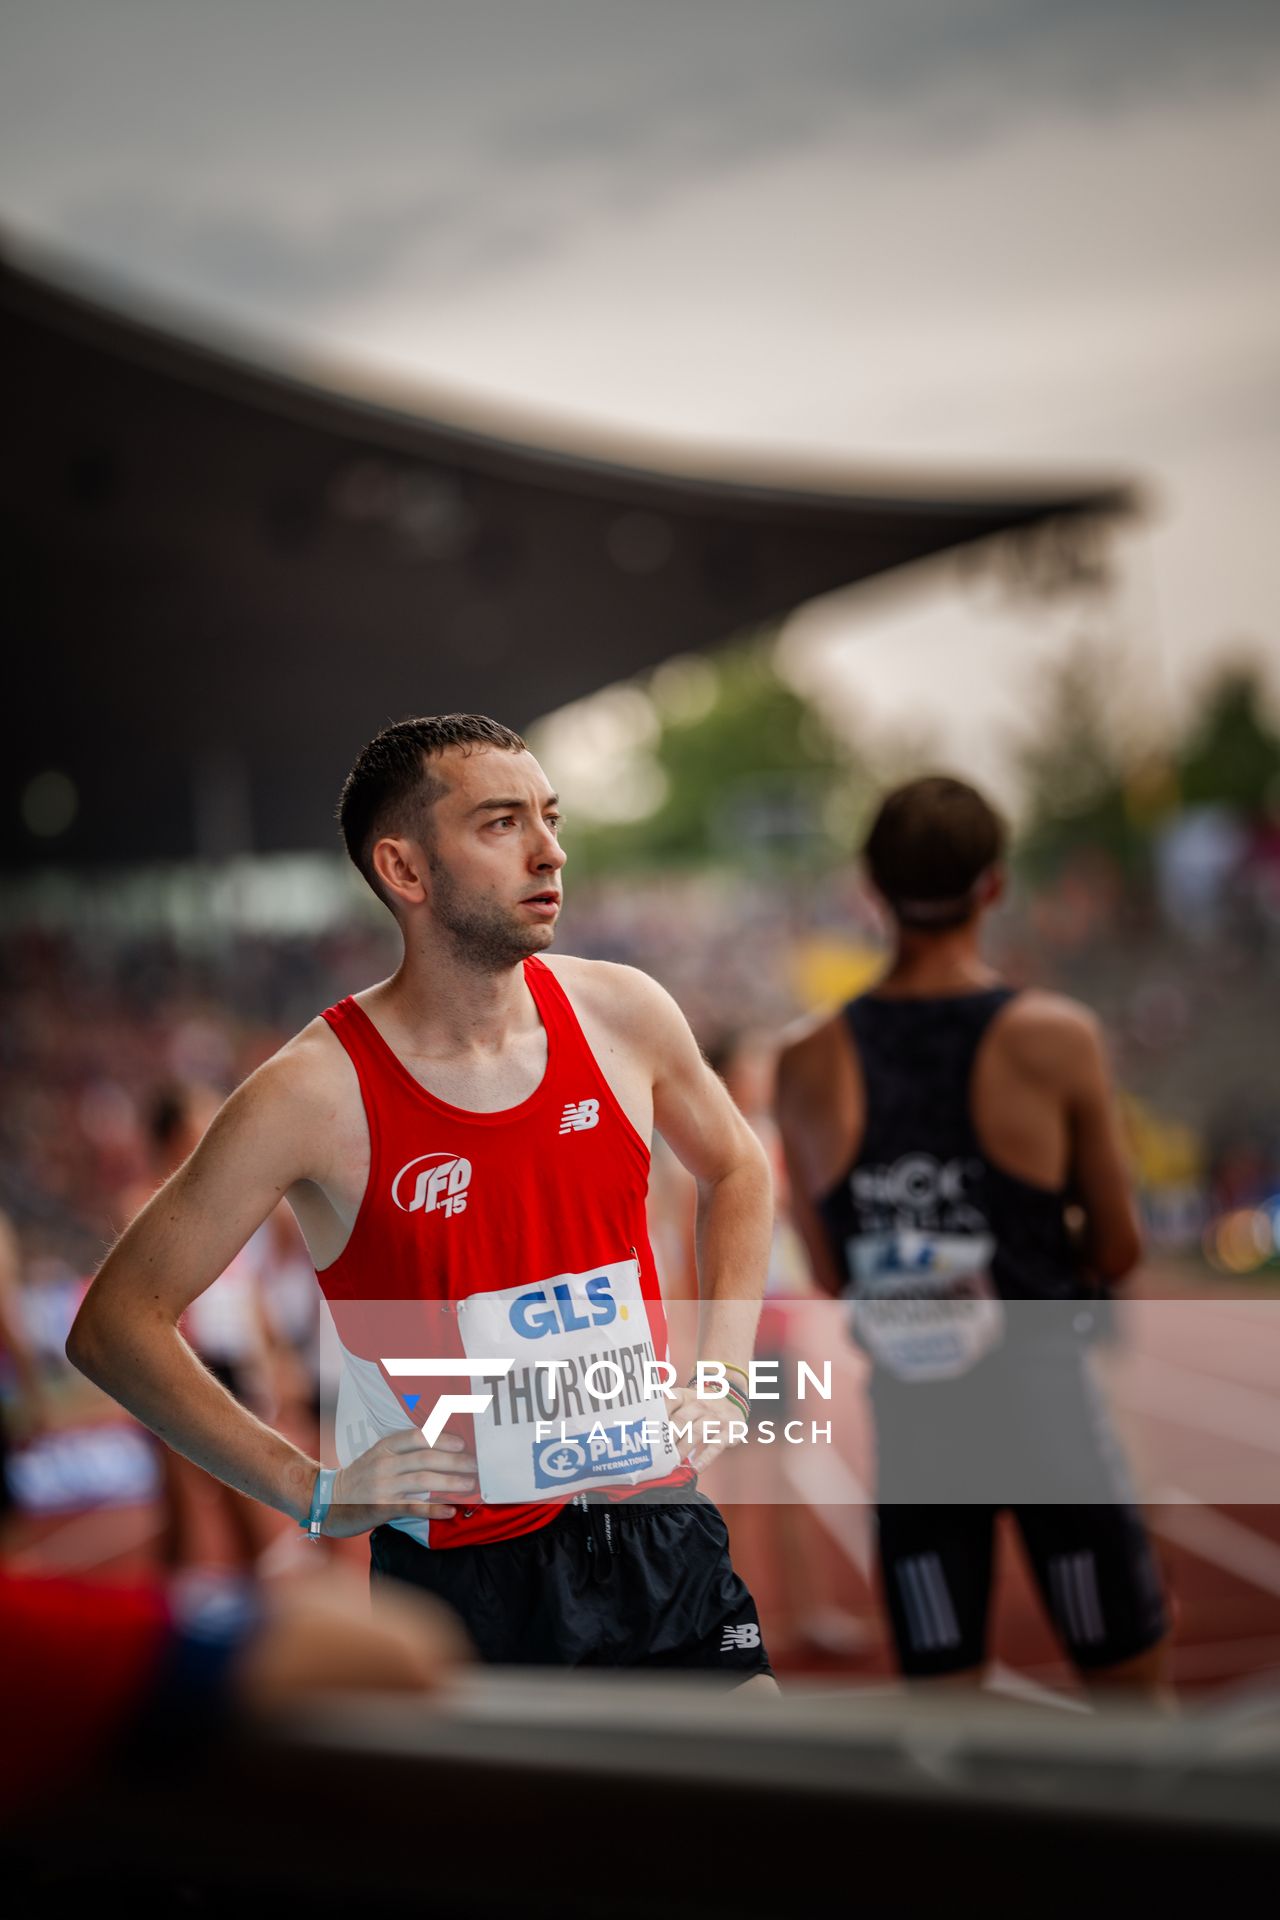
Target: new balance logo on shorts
pixel 580 1115
pixel 738 1639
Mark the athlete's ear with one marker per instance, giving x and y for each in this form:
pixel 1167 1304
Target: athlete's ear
pixel 401 870
pixel 991 886
pixel 879 905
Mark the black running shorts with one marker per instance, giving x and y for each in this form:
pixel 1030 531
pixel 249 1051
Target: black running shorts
pixel 623 1584
pixel 1027 1431
pixel 1094 1567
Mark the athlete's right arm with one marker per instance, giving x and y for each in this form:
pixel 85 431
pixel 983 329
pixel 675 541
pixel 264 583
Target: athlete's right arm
pixel 269 1136
pixel 802 1096
pixel 1099 1168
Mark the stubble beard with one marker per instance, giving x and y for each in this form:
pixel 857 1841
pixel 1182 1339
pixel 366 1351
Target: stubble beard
pixel 485 936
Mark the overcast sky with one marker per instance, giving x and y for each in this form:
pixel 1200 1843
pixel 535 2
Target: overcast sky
pixel 1022 233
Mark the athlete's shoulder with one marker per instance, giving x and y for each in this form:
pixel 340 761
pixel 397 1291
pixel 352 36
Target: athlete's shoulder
pixel 302 1074
pixel 805 1049
pixel 610 990
pixel 1050 1035
pixel 814 1072
pixel 278 1125
pixel 628 1014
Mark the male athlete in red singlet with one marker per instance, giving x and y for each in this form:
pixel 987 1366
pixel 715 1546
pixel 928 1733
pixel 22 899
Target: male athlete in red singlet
pixel 465 1148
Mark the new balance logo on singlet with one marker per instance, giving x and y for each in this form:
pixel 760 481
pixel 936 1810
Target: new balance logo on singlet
pixel 738 1639
pixel 579 1115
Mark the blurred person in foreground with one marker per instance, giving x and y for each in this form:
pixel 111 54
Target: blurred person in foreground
pixel 128 1680
pixel 24 1400
pixel 468 1142
pixel 937 1129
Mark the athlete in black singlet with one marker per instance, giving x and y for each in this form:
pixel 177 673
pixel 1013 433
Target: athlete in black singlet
pixel 938 1129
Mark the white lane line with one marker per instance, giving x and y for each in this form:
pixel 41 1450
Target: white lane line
pixel 838 1501
pixel 89 1540
pixel 1184 1397
pixel 1214 1537
pixel 1020 1686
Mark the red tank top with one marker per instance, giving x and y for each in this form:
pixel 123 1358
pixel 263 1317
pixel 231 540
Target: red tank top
pixel 525 1230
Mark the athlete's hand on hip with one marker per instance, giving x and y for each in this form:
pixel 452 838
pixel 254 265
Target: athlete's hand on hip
pixel 401 1478
pixel 710 1422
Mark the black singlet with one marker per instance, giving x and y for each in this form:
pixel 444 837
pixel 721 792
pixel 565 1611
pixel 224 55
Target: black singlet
pixel 980 1399
pixel 921 1186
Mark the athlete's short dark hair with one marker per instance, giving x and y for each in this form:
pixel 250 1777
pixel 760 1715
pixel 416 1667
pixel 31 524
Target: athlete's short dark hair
pixel 929 844
pixel 391 788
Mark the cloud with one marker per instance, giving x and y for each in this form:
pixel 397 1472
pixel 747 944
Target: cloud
pixel 326 144
pixel 230 247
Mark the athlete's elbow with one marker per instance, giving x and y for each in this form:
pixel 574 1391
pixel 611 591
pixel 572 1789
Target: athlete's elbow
pixel 1117 1256
pixel 744 1165
pixel 82 1347
pixel 752 1167
pixel 89 1343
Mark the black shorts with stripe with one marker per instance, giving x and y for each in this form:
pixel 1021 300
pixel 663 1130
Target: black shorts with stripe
pixel 630 1583
pixel 1093 1565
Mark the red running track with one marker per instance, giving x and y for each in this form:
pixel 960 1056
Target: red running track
pixel 1201 1404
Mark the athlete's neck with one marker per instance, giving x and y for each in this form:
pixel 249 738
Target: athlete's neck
pixel 929 965
pixel 449 1007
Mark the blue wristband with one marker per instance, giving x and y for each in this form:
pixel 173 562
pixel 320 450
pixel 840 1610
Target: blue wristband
pixel 321 1501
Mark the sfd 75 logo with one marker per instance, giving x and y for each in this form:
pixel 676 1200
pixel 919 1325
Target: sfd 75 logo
pixel 433 1183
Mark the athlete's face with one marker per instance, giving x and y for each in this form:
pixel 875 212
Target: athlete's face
pixel 494 856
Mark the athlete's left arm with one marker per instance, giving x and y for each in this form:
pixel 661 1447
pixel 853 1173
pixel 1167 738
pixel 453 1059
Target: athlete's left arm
pixel 695 1115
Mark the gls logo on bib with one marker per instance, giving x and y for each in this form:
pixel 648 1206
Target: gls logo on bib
pixel 541 1311
pixel 434 1182
pixel 578 1406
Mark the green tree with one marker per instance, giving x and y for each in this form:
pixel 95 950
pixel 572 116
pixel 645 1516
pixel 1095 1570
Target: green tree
pixel 756 776
pixel 1079 788
pixel 1232 756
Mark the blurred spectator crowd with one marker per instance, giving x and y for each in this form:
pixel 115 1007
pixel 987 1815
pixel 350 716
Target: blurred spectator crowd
pixel 92 1030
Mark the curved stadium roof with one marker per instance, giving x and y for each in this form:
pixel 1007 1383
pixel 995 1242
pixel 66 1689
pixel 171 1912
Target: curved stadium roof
pixel 220 580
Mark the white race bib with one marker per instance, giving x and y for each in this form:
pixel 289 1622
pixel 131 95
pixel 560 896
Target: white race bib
pixel 924 1305
pixel 582 1406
